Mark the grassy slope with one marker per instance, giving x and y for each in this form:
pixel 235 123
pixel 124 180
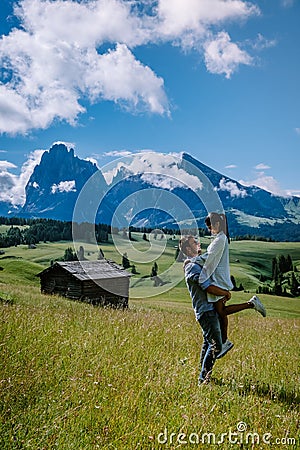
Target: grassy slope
pixel 77 377
pixel 74 376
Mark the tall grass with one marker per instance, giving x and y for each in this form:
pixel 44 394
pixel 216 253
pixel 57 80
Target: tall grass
pixel 77 377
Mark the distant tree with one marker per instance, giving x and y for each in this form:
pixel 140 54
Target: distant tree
pixel 131 238
pixel 289 263
pixel 133 270
pixel 14 236
pixel 125 261
pixel 278 289
pixel 294 285
pixel 70 255
pixel 233 282
pixel 154 270
pixel 275 269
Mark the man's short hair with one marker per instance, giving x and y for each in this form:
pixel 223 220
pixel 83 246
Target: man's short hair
pixel 184 243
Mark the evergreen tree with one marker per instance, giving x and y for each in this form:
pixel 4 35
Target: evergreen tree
pixel 233 282
pixel 133 269
pixel 125 261
pixel 69 255
pixel 278 288
pixel 294 285
pixel 275 269
pixel 154 270
pixel 282 264
pixel 289 263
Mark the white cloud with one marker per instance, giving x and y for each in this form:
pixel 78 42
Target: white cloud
pixel 232 188
pixel 287 3
pixel 13 186
pixel 189 20
pixel 63 186
pixel 158 169
pixel 7 182
pixel 4 165
pixel 266 182
pixel 261 42
pixel 223 56
pixel 262 166
pixel 292 192
pixel 55 63
pixel 54 60
pixel 231 166
pixel 118 153
pixel 119 77
pixel 33 160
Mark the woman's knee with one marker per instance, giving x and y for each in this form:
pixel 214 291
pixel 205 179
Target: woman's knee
pixel 220 308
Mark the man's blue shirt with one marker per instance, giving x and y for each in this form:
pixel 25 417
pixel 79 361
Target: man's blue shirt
pixel 197 290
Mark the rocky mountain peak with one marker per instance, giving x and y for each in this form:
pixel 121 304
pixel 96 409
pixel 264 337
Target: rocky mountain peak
pixel 56 182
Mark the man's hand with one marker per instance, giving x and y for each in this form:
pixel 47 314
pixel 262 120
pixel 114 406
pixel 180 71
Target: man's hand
pixel 227 297
pixel 186 262
pixel 215 290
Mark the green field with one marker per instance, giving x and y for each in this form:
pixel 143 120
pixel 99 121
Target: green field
pixel 79 377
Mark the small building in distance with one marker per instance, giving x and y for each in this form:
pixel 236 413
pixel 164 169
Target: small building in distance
pixel 100 282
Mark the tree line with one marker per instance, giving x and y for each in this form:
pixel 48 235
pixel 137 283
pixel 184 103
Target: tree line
pixel 34 231
pixel 285 278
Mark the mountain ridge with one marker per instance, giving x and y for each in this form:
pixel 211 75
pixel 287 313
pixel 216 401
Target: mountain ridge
pixel 57 181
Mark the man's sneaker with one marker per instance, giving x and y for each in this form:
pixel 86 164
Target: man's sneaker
pixel 258 306
pixel 225 348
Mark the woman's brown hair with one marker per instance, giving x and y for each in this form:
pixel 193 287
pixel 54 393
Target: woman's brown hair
pixel 213 218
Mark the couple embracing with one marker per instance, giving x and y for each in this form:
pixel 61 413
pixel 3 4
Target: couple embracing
pixel 208 280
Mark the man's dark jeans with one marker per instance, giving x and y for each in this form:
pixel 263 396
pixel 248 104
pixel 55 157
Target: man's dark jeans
pixel 212 343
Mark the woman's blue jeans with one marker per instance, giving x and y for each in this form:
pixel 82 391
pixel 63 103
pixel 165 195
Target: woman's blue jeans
pixel 212 343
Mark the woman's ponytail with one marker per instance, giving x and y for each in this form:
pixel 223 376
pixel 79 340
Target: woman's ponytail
pixel 213 218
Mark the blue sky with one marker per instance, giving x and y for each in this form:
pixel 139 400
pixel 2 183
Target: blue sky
pixel 217 79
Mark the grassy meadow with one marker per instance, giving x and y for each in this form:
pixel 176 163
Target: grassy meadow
pixel 79 377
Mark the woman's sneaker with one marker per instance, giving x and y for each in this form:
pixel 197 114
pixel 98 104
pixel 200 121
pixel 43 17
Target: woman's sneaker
pixel 225 348
pixel 257 305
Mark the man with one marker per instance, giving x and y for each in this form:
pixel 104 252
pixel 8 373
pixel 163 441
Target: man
pixel 205 312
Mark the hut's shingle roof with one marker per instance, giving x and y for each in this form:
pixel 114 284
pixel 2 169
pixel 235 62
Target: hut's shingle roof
pixel 95 270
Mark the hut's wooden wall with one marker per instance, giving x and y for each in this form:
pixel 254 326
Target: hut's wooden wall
pixel 58 281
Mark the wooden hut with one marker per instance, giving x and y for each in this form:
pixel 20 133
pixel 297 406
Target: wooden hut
pixel 100 282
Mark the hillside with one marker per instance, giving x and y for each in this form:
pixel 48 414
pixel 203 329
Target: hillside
pixel 77 376
pixel 249 261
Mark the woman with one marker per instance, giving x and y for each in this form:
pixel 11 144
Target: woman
pixel 215 264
